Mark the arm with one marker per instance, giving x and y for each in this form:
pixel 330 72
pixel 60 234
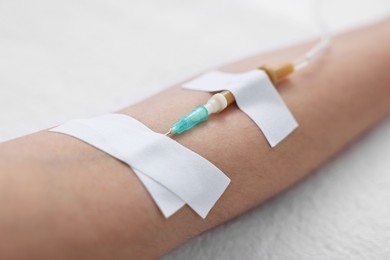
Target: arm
pixel 62 198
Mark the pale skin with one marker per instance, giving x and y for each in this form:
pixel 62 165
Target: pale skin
pixel 63 199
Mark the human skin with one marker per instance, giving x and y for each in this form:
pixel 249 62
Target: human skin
pixel 63 199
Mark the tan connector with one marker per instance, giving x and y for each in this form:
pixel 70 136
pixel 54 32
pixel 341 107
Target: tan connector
pixel 229 96
pixel 278 73
pixel 275 75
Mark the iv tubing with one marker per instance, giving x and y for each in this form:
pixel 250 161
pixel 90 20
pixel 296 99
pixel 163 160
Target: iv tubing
pixel 220 101
pixel 325 38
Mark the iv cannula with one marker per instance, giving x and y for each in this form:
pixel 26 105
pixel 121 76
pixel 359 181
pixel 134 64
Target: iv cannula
pixel 218 102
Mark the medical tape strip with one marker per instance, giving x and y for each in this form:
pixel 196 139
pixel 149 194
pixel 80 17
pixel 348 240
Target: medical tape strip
pixel 173 174
pixel 256 96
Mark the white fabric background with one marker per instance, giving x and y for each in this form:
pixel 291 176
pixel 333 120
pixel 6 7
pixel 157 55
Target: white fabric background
pixel 65 59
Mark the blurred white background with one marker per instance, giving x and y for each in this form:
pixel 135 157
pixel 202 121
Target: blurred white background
pixel 65 59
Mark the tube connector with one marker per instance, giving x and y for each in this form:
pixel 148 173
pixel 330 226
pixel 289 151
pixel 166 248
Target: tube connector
pixel 216 103
pixel 278 73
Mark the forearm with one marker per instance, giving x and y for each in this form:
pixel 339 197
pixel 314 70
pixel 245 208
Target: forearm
pixel 78 201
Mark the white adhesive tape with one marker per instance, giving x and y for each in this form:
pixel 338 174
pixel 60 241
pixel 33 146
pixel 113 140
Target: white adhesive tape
pixel 173 174
pixel 256 96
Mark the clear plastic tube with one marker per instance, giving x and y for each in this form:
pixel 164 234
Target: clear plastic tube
pixel 325 39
